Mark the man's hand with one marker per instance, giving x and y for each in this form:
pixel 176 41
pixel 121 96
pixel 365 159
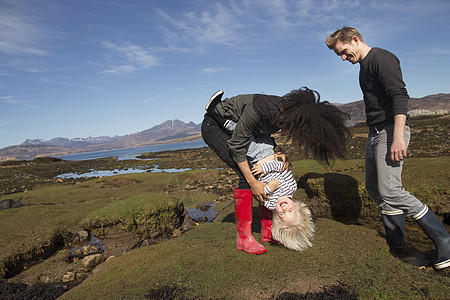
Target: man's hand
pixel 398 149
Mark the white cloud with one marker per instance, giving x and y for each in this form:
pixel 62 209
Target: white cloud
pixel 8 100
pixel 214 70
pixel 20 31
pixel 128 58
pixel 149 99
pixel 13 101
pixel 217 25
pixel 247 23
pixel 4 122
pixel 42 79
pixel 436 51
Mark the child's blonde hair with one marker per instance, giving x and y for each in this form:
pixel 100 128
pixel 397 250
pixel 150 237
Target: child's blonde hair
pixel 297 236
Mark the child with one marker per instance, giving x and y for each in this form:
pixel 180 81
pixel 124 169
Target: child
pixel 291 224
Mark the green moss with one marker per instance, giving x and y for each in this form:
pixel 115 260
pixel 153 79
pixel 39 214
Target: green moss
pixel 149 214
pixel 206 261
pixel 339 191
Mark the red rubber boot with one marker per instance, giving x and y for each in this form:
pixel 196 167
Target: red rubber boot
pixel 265 215
pixel 243 215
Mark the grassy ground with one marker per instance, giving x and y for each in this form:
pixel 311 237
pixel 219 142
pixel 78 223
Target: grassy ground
pixel 348 260
pixel 203 262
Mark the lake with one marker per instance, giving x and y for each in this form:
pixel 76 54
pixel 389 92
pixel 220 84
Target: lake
pixel 132 153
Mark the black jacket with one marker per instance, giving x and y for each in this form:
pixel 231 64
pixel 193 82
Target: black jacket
pixel 254 114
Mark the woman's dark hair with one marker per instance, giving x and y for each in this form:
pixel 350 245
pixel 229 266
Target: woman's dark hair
pixel 316 127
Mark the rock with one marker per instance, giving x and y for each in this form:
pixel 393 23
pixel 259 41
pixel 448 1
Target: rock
pixel 177 233
pixel 9 203
pixel 205 207
pixel 188 223
pixel 69 276
pixel 94 249
pixel 82 235
pixel 203 220
pixel 147 242
pixel 81 275
pixel 221 199
pixel 91 261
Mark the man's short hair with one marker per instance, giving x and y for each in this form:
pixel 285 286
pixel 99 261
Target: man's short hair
pixel 344 34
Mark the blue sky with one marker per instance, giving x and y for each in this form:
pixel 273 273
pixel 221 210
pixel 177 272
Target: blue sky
pixel 106 67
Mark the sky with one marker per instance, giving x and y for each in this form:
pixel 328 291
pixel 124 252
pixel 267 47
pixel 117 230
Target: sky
pixel 107 67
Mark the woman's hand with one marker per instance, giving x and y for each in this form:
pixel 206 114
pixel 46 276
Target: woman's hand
pixel 257 170
pixel 280 155
pixel 257 188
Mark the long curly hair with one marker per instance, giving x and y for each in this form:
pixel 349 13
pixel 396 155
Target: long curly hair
pixel 314 126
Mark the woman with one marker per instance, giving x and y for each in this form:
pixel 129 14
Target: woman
pixel 315 127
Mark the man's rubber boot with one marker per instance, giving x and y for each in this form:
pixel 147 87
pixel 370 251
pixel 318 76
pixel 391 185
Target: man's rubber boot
pixel 265 215
pixel 395 238
pixel 395 231
pixel 437 232
pixel 243 216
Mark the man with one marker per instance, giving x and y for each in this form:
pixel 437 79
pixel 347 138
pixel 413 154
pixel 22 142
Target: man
pixel 386 100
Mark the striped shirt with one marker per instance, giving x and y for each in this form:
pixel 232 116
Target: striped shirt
pixel 287 185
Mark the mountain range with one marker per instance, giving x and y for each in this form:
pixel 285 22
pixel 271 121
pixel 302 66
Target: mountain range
pixel 428 105
pixel 175 131
pixel 171 131
pixel 168 131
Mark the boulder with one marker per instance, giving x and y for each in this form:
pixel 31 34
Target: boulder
pixel 91 261
pixel 82 235
pixel 69 276
pixel 9 203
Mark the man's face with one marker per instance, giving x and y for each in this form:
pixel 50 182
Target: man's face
pixel 349 51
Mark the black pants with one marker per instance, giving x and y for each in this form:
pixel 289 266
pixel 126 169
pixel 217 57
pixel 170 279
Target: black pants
pixel 216 138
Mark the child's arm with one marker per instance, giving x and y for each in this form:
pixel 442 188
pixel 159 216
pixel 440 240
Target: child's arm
pixel 272 186
pixel 271 166
pixel 267 167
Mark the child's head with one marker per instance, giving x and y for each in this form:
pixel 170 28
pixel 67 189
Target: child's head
pixel 292 224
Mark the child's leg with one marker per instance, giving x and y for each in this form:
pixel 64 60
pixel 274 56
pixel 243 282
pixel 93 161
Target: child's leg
pixel 216 98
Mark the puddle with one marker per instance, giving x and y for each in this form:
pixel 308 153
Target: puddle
pixel 135 157
pixel 103 173
pixel 94 246
pixel 206 213
pixel 155 170
pixel 95 173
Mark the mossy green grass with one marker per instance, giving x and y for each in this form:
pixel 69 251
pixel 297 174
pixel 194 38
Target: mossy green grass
pixel 205 261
